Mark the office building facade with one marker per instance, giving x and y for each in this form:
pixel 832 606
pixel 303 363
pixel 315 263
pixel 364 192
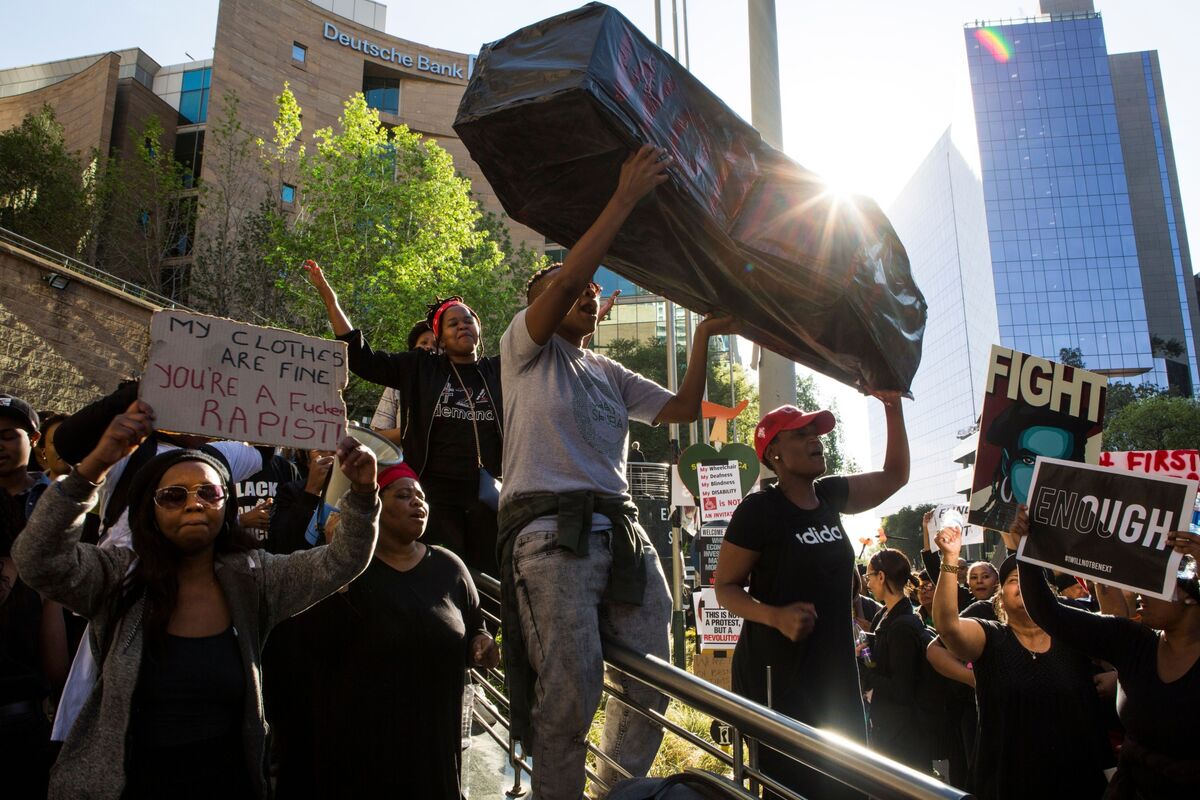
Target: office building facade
pixel 324 50
pixel 939 215
pixel 1088 246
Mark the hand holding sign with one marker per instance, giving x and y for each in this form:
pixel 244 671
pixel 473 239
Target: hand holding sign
pixel 121 438
pixel 1186 543
pixel 358 464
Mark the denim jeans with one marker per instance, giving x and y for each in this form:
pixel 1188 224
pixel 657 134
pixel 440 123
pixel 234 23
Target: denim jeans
pixel 565 617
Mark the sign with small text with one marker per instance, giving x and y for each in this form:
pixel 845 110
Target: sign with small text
pixel 1107 525
pixel 716 627
pixel 229 380
pixel 720 490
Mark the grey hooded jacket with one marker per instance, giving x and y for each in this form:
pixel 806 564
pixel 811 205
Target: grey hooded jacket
pixel 262 590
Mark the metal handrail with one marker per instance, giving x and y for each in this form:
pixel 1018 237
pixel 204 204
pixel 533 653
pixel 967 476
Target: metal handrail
pixel 87 270
pixel 843 759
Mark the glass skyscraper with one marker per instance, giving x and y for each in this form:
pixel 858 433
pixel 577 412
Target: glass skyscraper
pixel 1087 243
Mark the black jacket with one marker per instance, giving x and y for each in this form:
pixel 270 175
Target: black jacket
pixel 419 377
pixel 899 654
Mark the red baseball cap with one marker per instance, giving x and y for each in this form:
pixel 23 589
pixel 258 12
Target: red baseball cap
pixel 787 418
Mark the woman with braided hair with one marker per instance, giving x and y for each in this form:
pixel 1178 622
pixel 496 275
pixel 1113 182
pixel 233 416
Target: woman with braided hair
pixel 449 413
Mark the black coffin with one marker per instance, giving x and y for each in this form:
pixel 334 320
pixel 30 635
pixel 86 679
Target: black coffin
pixel 553 109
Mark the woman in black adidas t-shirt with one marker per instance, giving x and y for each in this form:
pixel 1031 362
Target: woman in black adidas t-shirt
pixel 787 568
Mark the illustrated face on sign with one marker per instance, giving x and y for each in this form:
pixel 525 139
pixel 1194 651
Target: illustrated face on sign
pixel 1040 440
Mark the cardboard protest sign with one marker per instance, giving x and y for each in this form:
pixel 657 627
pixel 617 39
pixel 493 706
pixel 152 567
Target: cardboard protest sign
pixel 1172 463
pixel 716 627
pixel 1031 407
pixel 720 490
pixel 1107 525
pixel 218 377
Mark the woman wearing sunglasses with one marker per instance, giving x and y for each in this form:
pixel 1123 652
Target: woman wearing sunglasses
pixel 179 621
pixel 1157 656
pixel 449 413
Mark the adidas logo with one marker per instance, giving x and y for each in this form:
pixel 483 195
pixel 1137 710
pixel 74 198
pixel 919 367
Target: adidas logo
pixel 826 534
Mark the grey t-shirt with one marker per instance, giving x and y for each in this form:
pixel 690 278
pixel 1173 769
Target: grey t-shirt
pixel 566 416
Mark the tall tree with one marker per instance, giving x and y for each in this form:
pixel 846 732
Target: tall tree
pixel 393 226
pixel 48 194
pixel 837 462
pixel 1160 422
pixel 229 275
pixel 903 529
pixel 149 216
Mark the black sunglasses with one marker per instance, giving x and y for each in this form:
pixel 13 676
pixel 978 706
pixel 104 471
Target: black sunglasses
pixel 175 497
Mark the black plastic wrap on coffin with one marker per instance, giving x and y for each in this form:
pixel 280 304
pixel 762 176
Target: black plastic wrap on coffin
pixel 552 111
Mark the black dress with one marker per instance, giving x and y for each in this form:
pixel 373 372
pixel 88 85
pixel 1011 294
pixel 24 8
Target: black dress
pixel 1041 727
pixel 805 555
pixel 386 700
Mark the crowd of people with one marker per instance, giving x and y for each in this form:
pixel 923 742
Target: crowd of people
pixel 174 599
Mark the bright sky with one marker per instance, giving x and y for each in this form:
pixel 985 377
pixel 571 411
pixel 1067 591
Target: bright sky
pixel 868 85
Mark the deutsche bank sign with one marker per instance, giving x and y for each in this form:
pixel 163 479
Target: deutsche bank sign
pixel 391 54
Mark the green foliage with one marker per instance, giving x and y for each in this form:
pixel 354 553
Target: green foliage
pixel 903 529
pixel 1159 422
pixel 648 358
pixel 836 460
pixel 148 218
pixel 392 225
pixel 1120 395
pixel 48 194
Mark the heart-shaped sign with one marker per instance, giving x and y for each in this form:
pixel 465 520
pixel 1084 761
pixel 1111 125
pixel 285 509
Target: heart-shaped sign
pixel 748 466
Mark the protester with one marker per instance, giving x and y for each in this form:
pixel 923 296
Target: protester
pixel 1157 658
pixel 449 414
pixel 179 621
pixel 576 568
pixel 33 644
pixel 388 411
pixel 1041 730
pixel 301 513
pixel 256 494
pixel 898 659
pixel 53 465
pixel 788 544
pixel 982 580
pixel 391 651
pixel 921 596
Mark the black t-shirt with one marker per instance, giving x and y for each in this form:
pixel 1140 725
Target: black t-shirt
pixel 980 609
pixel 276 472
pixel 1041 726
pixel 805 556
pixel 385 659
pixel 452 452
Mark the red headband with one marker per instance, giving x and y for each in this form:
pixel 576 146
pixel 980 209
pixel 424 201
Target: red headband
pixel 437 315
pixel 394 473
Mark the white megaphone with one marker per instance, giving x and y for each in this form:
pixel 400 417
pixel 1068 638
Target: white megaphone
pixel 386 454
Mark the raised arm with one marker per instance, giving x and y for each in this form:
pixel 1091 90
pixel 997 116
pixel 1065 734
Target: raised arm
pixel 1106 638
pixel 964 638
pixel 869 489
pixel 337 317
pixel 685 405
pixel 296 581
pixel 640 173
pixel 78 434
pixel 49 556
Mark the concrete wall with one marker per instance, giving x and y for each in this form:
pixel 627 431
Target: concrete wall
pixel 61 349
pixel 84 103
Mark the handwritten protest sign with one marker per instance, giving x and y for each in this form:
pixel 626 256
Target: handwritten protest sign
pixel 218 377
pixel 1031 407
pixel 716 628
pixel 1107 525
pixel 1172 463
pixel 720 490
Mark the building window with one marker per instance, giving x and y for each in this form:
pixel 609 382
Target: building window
pixel 193 100
pixel 299 53
pixel 189 154
pixel 383 94
pixel 288 193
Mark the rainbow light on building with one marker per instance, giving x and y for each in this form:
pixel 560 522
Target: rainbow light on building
pixel 995 43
